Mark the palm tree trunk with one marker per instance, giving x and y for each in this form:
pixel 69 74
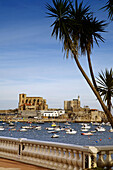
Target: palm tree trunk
pixel 109 103
pixel 91 70
pixel 109 115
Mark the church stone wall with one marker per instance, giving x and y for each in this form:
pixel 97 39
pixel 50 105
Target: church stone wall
pixel 32 103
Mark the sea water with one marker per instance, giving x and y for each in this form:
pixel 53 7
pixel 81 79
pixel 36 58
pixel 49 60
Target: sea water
pixel 97 139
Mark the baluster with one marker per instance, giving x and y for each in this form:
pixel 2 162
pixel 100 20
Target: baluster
pixel 55 156
pixel 12 148
pixel 4 145
pixel 33 152
pixel 28 151
pixel 74 161
pixel 25 151
pixel 46 154
pixel 69 160
pixel 41 153
pixel 12 145
pixel 9 148
pixel 80 160
pixel 77 159
pixel 93 160
pixel 16 149
pixel 38 151
pixel 101 162
pixel 108 161
pixel 64 159
pixel 59 158
pixel 51 154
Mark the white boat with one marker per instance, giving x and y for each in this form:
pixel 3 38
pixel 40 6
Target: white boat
pixel 88 133
pixel 95 123
pixel 111 130
pixel 68 129
pixel 51 131
pixel 84 130
pixel 38 127
pixel 67 123
pixel 27 127
pixel 100 129
pixel 3 123
pixel 85 126
pixel 108 124
pixel 93 131
pixel 1 128
pixel 71 132
pixel 103 123
pixel 11 124
pixel 23 130
pixel 62 128
pixel 49 128
pixel 57 129
pixel 55 136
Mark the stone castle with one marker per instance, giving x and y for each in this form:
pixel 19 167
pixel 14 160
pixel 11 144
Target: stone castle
pixel 79 113
pixel 72 105
pixel 32 103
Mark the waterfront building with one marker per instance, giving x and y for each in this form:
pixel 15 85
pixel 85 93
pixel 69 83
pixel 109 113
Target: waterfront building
pixel 52 113
pixel 31 103
pixel 72 105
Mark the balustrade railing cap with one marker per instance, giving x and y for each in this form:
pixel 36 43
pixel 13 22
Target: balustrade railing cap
pixel 8 138
pixel 21 139
pixel 105 148
pixel 92 149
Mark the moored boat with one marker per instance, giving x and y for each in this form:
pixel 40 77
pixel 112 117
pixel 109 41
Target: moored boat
pixel 55 136
pixel 23 130
pixel 38 127
pixel 88 133
pixel 85 126
pixel 67 123
pixel 84 130
pixel 100 129
pixel 49 128
pixel 71 132
pixel 53 124
pixel 111 130
pixel 1 128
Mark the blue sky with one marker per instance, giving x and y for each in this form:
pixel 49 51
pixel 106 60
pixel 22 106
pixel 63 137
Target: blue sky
pixel 32 62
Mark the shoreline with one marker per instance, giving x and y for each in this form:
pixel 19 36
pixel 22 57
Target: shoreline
pixel 45 121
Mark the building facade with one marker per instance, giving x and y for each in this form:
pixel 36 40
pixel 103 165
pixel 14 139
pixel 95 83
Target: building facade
pixel 32 103
pixel 52 113
pixel 72 105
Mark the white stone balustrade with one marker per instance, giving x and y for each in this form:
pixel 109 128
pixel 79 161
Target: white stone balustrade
pixel 105 155
pixel 56 155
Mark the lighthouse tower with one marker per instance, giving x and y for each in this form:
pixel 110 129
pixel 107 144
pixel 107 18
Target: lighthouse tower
pixel 78 101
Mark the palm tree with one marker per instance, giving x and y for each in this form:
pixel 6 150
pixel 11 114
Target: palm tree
pixel 109 7
pixel 105 87
pixel 70 26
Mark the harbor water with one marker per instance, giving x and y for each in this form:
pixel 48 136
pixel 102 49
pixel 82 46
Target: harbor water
pixel 97 139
